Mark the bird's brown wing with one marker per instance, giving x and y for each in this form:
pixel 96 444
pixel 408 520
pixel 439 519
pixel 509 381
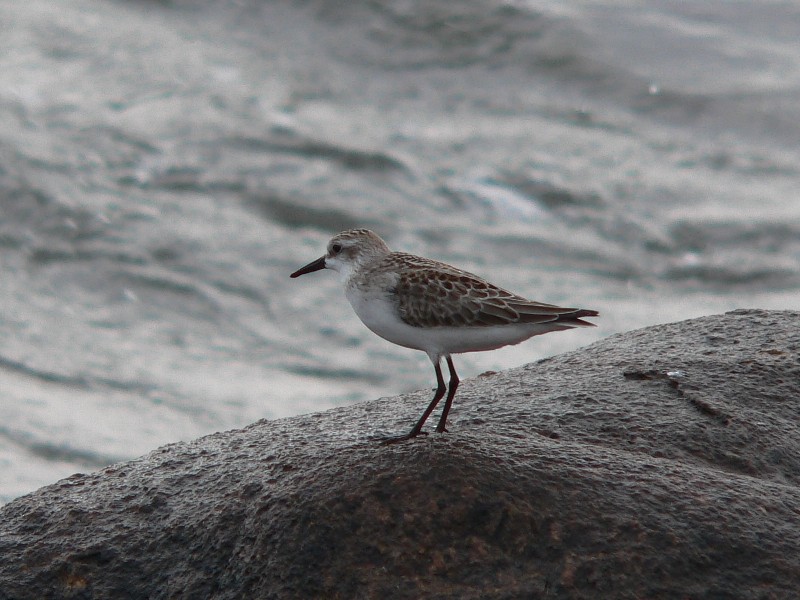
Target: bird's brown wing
pixel 432 294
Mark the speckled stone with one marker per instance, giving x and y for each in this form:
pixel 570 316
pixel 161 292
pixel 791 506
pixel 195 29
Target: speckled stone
pixel 663 462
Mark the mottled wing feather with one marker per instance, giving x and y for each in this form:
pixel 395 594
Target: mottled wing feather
pixel 434 294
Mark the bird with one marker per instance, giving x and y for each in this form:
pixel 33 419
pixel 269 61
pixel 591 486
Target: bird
pixel 427 305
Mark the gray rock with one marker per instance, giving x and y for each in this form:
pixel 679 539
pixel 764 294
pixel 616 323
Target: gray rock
pixel 657 463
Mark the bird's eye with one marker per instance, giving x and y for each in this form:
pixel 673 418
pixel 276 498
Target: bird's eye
pixel 336 248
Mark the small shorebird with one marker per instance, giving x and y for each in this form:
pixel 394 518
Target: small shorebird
pixel 431 306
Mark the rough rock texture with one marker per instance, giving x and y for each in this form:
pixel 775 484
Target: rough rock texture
pixel 663 462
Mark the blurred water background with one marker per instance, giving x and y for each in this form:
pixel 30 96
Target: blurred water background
pixel 164 165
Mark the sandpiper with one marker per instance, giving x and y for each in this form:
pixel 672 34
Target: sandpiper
pixel 431 306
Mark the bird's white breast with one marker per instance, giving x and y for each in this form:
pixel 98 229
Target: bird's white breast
pixel 375 306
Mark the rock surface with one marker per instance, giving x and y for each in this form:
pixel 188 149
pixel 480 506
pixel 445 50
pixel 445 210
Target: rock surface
pixel 663 462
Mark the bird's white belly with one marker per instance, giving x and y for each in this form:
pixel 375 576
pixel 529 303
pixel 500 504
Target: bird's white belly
pixel 380 315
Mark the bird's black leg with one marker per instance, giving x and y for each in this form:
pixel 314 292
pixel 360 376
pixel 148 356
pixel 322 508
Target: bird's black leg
pixel 450 395
pixel 440 389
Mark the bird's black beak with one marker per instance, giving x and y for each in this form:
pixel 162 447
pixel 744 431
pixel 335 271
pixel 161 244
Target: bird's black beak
pixel 310 267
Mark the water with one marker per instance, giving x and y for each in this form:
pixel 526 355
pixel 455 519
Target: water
pixel 165 165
